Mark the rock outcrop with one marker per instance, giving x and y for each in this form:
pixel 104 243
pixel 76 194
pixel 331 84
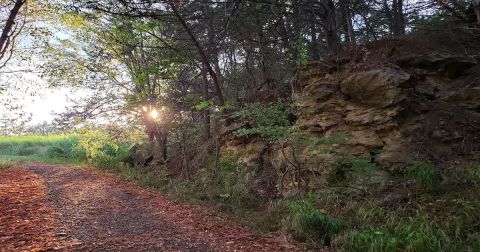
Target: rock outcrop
pixel 425 107
pixel 396 103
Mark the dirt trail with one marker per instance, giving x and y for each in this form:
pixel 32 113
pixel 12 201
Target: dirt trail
pixel 50 207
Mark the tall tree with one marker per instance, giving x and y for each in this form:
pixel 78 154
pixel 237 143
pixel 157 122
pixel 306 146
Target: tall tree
pixel 10 31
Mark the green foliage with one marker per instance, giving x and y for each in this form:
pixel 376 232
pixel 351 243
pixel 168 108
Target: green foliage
pixel 302 52
pixel 424 174
pixel 309 223
pixel 93 146
pixel 266 132
pixel 98 147
pixel 407 235
pixel 269 121
pixel 56 151
pixel 203 105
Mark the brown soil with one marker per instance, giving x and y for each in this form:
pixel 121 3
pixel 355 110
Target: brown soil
pixel 48 207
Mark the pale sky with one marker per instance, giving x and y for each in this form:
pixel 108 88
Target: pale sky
pixel 47 102
pixel 29 89
pixel 32 93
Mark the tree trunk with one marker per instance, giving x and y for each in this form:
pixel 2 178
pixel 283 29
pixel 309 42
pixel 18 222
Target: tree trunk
pixel 314 46
pixel 201 51
pixel 346 10
pixel 162 141
pixel 476 8
pixel 265 64
pixel 333 42
pixel 395 16
pixel 206 112
pixel 6 36
pixel 399 18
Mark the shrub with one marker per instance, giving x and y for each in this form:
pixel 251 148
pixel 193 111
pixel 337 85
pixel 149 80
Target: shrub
pixel 269 121
pixel 56 152
pixel 425 175
pixel 97 147
pixel 309 223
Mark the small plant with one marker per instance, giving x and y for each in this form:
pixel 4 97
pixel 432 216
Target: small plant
pixel 425 175
pixel 309 223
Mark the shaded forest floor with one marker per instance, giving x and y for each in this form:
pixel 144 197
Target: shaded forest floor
pixel 52 207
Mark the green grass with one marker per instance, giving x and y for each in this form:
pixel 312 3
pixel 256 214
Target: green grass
pixel 31 145
pixel 416 235
pixel 39 148
pixel 425 175
pixel 59 149
pixel 5 164
pixel 310 224
pixel 43 159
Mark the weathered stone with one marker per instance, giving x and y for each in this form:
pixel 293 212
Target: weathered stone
pixel 450 65
pixel 321 90
pixel 366 138
pixel 469 97
pixel 253 152
pixel 379 87
pixel 364 115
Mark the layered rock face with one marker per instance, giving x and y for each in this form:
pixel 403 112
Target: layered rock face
pixel 397 102
pixel 416 108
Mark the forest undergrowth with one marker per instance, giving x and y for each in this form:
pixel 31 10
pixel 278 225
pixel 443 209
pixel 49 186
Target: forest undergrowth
pixel 421 209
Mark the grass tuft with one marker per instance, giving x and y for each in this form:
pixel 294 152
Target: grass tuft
pixel 310 224
pixel 406 235
pixel 425 175
pixel 5 164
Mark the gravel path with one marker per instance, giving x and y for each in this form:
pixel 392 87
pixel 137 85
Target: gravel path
pixel 90 210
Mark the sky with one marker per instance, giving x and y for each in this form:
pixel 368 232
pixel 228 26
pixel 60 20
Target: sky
pixel 31 92
pixel 28 88
pixel 46 103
